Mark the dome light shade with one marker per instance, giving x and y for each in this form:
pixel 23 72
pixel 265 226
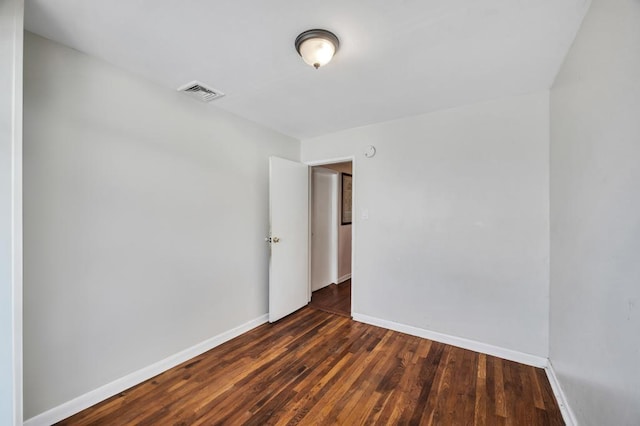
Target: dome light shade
pixel 317 47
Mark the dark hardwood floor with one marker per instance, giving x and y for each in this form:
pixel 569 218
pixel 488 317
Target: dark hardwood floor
pixel 316 368
pixel 333 298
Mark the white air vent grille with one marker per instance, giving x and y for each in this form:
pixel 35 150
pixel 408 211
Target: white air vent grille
pixel 198 90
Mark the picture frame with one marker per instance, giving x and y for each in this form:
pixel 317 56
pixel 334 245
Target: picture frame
pixel 346 199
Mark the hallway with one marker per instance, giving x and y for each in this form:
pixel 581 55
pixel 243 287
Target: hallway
pixel 335 299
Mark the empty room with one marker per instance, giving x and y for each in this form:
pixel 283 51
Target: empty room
pixel 316 213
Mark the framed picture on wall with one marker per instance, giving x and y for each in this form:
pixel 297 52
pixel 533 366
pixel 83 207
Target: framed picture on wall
pixel 347 194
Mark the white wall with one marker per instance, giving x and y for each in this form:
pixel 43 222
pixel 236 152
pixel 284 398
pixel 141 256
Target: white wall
pixel 145 218
pixel 457 236
pixel 595 218
pixel 11 39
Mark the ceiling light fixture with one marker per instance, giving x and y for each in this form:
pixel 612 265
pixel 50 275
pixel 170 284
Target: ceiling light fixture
pixel 317 47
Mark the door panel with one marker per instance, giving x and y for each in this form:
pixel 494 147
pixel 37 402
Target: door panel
pixel 289 237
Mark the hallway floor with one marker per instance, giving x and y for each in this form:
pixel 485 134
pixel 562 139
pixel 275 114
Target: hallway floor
pixel 335 299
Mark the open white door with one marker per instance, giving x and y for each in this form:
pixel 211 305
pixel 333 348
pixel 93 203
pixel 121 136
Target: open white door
pixel 289 237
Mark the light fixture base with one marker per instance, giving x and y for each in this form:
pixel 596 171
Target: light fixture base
pixel 316 34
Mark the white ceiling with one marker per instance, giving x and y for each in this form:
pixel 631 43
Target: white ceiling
pixel 397 58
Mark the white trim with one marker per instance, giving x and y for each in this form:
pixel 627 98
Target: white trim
pixel 78 404
pixel 329 161
pixel 343 278
pixel 309 236
pixel 355 204
pixel 15 10
pixel 521 357
pixel 567 413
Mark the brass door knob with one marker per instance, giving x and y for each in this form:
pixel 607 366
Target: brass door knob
pixel 276 239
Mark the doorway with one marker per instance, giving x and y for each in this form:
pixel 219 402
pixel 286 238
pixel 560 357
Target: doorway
pixel 331 189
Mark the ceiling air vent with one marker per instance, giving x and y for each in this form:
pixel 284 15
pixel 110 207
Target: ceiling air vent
pixel 198 90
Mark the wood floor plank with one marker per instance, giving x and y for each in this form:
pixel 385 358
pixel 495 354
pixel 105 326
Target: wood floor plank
pixel 538 401
pixel 467 394
pixel 330 406
pixel 373 385
pixel 317 368
pixel 394 402
pixel 500 399
pixel 444 402
pixel 426 387
pixel 309 397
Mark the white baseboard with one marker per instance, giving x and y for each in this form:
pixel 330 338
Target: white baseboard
pixel 521 357
pixel 78 404
pixel 567 413
pixel 344 278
